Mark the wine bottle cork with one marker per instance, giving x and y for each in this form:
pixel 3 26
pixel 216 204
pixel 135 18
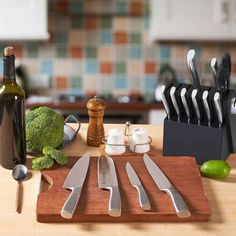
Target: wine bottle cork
pixel 95 134
pixel 8 51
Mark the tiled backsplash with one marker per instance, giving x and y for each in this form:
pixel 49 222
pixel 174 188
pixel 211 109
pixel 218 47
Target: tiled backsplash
pixel 103 46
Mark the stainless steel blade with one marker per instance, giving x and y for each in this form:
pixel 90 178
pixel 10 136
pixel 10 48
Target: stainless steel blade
pixel 158 176
pixel 77 174
pixel 133 177
pixel 106 172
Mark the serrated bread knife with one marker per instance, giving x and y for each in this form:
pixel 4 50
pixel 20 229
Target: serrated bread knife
pixel 107 179
pixel 74 182
pixel 164 184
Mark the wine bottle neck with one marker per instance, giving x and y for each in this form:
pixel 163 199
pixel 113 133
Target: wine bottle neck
pixel 9 68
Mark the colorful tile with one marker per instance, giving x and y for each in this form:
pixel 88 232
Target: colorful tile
pixel 46 67
pixel 91 67
pixel 77 22
pixel 136 8
pixel 136 68
pixel 106 84
pixel 91 52
pixel 91 22
pixel 121 7
pixel 121 38
pixel 121 82
pixel 76 82
pixel 120 68
pixel 31 50
pixel 121 24
pixel 150 67
pixel 106 22
pixel 61 82
pixel 76 52
pixel 76 7
pixel 106 53
pixel 61 51
pixel 207 67
pixel 165 52
pixel 135 38
pixel 77 38
pixel 150 83
pixel 135 52
pixel 61 37
pixel 121 53
pixel 106 68
pixel 106 37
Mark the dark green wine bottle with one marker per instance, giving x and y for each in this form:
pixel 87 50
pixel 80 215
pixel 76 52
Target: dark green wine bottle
pixel 12 115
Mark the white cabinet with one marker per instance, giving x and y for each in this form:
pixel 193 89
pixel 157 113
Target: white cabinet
pixel 207 20
pixel 23 20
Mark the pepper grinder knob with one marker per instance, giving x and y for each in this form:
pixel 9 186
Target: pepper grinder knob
pixel 95 134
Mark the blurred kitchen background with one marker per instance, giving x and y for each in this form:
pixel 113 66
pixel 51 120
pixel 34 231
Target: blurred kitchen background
pixel 119 50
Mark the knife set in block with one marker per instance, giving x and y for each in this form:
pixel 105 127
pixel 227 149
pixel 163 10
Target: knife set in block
pixel 201 121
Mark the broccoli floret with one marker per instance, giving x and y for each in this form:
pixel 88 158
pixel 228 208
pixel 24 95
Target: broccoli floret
pixel 59 157
pixel 40 163
pixel 47 150
pixel 44 127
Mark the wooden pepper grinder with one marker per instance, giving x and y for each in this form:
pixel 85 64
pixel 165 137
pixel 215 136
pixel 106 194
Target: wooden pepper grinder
pixel 95 134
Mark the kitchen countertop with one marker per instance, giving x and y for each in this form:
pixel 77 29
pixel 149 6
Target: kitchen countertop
pixel 75 106
pixel 221 196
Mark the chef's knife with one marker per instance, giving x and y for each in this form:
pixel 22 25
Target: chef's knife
pixel 174 102
pixel 134 180
pixel 165 103
pixel 195 105
pixel 164 184
pixel 206 106
pixel 107 179
pixel 218 108
pixel 185 103
pixel 74 181
pixel 192 65
pixel 214 68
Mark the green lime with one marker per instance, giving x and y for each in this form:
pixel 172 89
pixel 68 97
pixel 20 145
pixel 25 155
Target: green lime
pixel 216 169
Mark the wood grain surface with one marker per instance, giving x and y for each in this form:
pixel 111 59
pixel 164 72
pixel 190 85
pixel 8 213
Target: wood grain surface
pixel 93 204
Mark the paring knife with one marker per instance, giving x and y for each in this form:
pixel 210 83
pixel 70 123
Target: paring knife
pixel 185 103
pixel 192 65
pixel 74 181
pixel 107 179
pixel 134 180
pixel 195 105
pixel 218 108
pixel 164 184
pixel 165 103
pixel 214 67
pixel 175 104
pixel 206 106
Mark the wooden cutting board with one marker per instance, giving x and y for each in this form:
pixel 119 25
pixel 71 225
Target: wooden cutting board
pixel 93 204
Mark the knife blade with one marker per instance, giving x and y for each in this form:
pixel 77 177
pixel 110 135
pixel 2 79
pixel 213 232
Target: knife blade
pixel 226 63
pixel 107 179
pixel 206 106
pixel 135 182
pixel 218 108
pixel 164 101
pixel 192 65
pixel 214 68
pixel 164 184
pixel 174 102
pixel 195 105
pixel 74 182
pixel 185 103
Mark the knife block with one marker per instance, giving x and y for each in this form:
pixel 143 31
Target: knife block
pixel 205 143
pixel 202 142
